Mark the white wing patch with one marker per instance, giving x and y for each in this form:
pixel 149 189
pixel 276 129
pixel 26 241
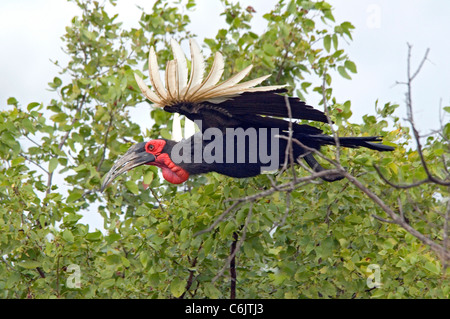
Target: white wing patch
pixel 179 88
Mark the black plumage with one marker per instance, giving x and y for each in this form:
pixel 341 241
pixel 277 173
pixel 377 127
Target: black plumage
pixel 258 114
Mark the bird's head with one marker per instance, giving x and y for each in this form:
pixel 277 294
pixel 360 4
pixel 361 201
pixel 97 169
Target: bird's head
pixel 154 152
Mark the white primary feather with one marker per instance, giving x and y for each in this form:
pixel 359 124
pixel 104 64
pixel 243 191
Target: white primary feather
pixel 181 88
pixel 197 67
pixel 171 79
pixel 212 78
pixel 155 77
pixel 232 81
pixel 238 88
pixel 149 94
pixel 182 70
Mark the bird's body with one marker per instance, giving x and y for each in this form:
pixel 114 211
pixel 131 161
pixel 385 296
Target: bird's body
pixel 240 125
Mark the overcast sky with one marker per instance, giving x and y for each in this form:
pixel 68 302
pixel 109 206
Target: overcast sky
pixel 31 30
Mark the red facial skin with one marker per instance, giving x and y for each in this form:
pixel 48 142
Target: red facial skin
pixel 171 172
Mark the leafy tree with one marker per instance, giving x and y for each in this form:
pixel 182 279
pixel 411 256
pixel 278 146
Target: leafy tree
pixel 285 235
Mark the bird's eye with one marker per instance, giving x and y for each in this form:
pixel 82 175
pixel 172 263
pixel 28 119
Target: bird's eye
pixel 149 147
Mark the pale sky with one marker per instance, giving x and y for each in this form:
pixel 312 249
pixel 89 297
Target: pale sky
pixel 31 30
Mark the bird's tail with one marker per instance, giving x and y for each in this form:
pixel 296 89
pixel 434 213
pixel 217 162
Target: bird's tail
pixel 371 142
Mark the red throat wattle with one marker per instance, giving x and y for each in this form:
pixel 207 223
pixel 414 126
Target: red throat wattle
pixel 171 172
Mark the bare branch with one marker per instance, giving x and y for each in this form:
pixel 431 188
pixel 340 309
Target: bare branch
pixel 398 185
pixel 33 162
pixel 383 220
pixel 289 148
pixel 157 199
pixel 410 118
pixel 397 219
pixel 425 58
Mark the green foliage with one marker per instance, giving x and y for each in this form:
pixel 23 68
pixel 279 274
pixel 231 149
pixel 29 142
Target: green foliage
pixel 326 239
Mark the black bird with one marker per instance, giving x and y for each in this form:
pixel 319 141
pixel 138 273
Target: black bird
pixel 239 123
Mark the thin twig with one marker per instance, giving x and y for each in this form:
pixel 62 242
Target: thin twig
pixel 290 148
pixel 404 186
pixel 33 162
pixel 396 219
pixel 157 199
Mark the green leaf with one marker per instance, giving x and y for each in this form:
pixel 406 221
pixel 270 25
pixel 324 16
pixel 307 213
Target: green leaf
pixel 57 81
pixel 208 245
pixel 68 236
pixel 432 267
pixel 343 72
pixel 327 42
pixel 335 41
pixel 52 164
pixel 177 287
pixel 350 66
pixel 111 238
pixel 55 84
pixel 32 105
pixel 29 264
pixel 211 291
pixel 91 67
pixel 59 117
pixel 228 229
pixel 28 125
pixel 292 7
pixel 74 196
pixel 94 236
pixel 107 283
pixel 148 177
pixel 165 133
pixel 12 101
pixel 132 187
pixel 269 49
pixel 268 61
pixel 184 234
pixel 113 259
pixel 142 211
pixel 17 161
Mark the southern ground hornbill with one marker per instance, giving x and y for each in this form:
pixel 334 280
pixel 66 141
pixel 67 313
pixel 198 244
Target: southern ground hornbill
pixel 240 124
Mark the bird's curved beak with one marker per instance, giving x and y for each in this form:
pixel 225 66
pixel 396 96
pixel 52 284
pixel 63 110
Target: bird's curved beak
pixel 135 156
